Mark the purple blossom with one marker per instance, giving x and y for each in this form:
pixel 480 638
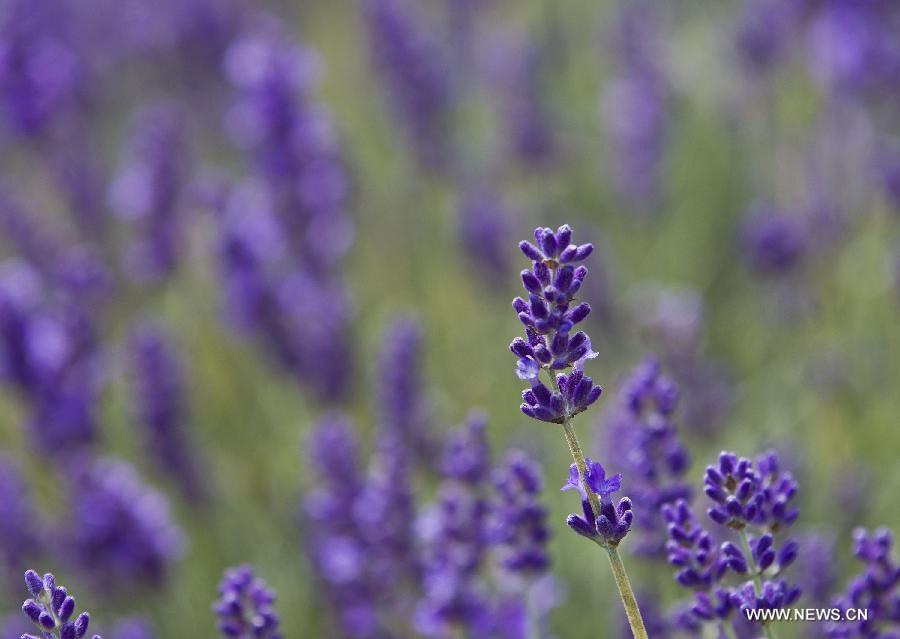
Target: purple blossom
pixel 246 606
pixel 752 500
pixel 119 531
pixel 337 543
pixel 158 389
pixel 41 71
pixel 52 609
pixel 521 74
pixel 642 425
pixel 875 589
pixel 455 534
pixel 612 523
pixel 518 519
pixel 148 189
pixel 484 227
pixel 284 232
pixel 774 242
pixel 549 317
pixel 634 106
pixel 49 355
pixel 415 75
pixel 402 401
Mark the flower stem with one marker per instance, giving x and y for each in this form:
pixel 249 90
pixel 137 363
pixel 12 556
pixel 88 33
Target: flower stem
pixel 622 583
pixel 757 579
pixel 728 629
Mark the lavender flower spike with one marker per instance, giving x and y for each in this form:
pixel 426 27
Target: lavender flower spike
pixel 549 346
pixel 245 606
pixel 51 608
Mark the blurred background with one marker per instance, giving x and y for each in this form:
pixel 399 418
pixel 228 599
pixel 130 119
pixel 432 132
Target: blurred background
pixel 220 222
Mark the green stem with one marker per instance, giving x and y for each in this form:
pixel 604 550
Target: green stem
pixel 728 629
pixel 618 568
pixel 757 579
pixel 624 585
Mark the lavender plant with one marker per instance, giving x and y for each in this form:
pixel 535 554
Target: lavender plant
pixel 875 589
pixel 51 609
pixel 246 606
pixel 148 189
pixel 119 531
pixel 549 316
pixel 754 502
pixel 642 423
pixel 158 391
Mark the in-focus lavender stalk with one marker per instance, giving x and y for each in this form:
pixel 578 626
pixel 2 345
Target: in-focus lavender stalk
pixel 246 606
pixel 117 530
pixel 753 501
pixel 549 317
pixel 51 609
pixel 876 589
pixel 642 424
pixel 415 74
pixel 148 190
pixel 158 389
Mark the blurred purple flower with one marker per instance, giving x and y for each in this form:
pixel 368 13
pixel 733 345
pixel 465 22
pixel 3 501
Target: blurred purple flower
pixel 484 229
pixel 119 531
pixel 774 241
pixel 402 401
pixel 158 391
pixel 635 104
pixel 455 536
pixel 642 426
pixel 41 69
pixel 415 74
pixel 148 189
pixel 245 607
pixel 875 589
pixel 519 520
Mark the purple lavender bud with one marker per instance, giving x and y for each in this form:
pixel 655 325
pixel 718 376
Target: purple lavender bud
pixel 34 583
pixel 246 606
pixel 52 618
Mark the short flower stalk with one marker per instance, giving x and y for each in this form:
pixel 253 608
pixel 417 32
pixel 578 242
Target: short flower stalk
pixel 550 345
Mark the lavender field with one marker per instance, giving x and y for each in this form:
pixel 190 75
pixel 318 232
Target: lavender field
pixel 270 365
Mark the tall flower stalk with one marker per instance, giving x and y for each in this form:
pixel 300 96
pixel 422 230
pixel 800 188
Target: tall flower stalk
pixel 549 317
